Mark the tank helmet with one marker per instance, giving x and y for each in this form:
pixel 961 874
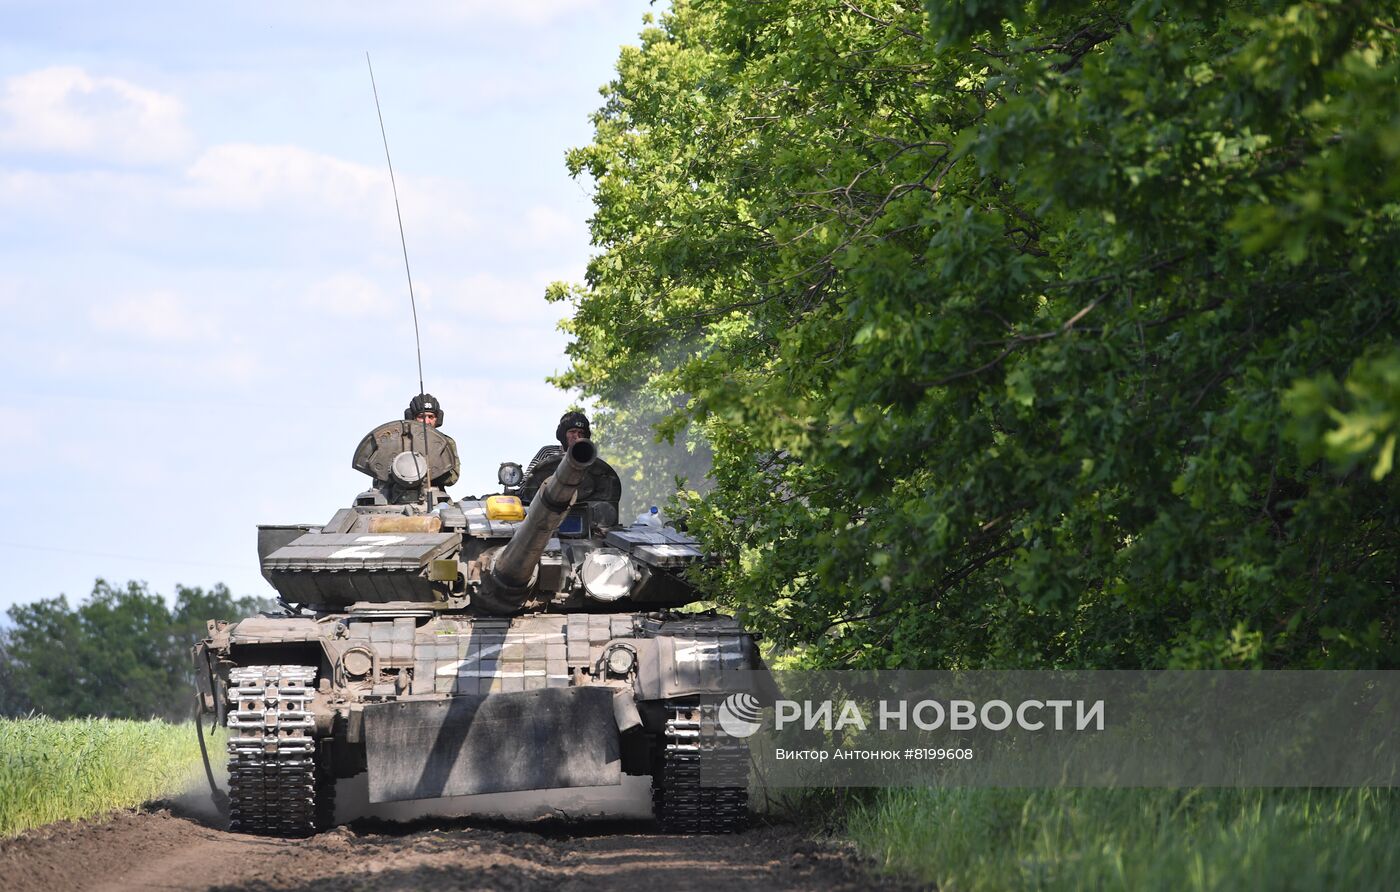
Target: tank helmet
pixel 572 421
pixel 424 402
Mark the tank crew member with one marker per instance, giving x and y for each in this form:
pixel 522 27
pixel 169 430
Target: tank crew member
pixel 602 486
pixel 572 428
pixel 425 407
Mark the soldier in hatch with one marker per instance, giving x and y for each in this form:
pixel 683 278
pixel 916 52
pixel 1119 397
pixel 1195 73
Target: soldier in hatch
pixel 572 428
pixel 601 487
pixel 426 408
pixel 386 454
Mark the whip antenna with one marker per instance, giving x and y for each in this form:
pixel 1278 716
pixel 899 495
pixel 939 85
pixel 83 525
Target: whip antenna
pixel 403 242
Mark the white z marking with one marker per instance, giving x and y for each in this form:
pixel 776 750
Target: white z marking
pixel 360 551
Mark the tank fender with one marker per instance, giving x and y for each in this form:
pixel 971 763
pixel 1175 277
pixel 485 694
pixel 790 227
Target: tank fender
pixel 281 632
pixel 676 665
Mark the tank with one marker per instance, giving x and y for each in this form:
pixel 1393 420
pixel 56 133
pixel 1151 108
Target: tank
pixel 526 639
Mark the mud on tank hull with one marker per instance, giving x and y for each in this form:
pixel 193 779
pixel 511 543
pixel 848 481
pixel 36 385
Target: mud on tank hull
pixel 434 705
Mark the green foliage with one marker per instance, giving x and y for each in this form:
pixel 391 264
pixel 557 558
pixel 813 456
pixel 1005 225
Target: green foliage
pixel 995 315
pixel 1353 423
pixel 54 771
pixel 121 653
pixel 965 839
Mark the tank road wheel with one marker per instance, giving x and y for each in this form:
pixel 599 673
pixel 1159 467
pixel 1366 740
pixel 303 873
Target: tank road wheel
pixel 272 764
pixel 692 744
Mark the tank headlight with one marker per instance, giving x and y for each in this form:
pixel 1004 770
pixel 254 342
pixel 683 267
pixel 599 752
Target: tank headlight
pixel 607 574
pixel 621 660
pixel 409 468
pixel 357 662
pixel 510 474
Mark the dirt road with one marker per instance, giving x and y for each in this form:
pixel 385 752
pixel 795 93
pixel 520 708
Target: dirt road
pixel 159 849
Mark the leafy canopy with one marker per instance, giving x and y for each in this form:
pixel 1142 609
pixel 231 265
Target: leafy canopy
pixel 1023 334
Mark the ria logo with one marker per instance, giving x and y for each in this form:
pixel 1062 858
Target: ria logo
pixel 740 715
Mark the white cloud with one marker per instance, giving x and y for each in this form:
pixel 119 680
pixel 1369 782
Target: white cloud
pixel 241 176
pixel 66 111
pixel 290 179
pixel 318 199
pixel 154 316
pixel 347 294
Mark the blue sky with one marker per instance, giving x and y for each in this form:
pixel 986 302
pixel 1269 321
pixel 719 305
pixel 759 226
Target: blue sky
pixel 201 284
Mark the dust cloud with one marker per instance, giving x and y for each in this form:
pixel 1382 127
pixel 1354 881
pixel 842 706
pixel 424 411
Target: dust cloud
pixel 626 437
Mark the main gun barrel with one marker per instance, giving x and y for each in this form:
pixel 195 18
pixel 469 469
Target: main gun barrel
pixel 515 565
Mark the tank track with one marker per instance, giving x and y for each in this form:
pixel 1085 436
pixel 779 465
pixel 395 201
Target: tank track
pixel 273 772
pixel 693 748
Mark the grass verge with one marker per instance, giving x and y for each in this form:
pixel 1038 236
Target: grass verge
pixel 58 770
pixel 974 839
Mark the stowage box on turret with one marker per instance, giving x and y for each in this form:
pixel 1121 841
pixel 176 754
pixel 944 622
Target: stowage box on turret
pixel 519 641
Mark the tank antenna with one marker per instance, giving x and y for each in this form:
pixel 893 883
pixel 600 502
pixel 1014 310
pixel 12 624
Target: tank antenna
pixel 413 304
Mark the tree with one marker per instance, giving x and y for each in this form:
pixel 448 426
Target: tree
pixel 1015 327
pixel 13 698
pixel 121 653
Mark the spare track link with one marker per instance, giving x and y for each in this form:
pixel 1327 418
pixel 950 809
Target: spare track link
pixel 702 775
pixel 272 764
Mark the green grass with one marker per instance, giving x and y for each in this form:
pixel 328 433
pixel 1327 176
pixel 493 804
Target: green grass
pixel 973 839
pixel 56 770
